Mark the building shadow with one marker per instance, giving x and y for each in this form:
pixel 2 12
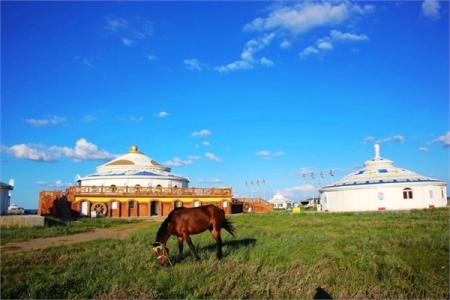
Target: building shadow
pixel 321 294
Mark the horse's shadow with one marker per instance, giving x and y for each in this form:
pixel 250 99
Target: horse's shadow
pixel 230 244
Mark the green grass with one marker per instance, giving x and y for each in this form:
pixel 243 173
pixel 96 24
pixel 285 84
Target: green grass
pixel 278 255
pixel 16 234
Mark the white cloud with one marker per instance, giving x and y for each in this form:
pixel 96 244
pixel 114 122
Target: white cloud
pixel 83 150
pixel 347 36
pixel 53 120
pixel 298 191
pixel 285 44
pixel 193 64
pixel 152 57
pixel 327 42
pixel 30 152
pixel 213 180
pixel 268 154
pixel 206 143
pixel 308 51
pixel 114 24
pixel 88 119
pixel 88 63
pixel 127 41
pixel 303 17
pixel 430 8
pixel 178 162
pixel 263 153
pixel 278 154
pixel 369 139
pixel 324 45
pixel 136 119
pixel 247 60
pixel 163 114
pixel 266 62
pixel 129 31
pixel 202 133
pixel 423 149
pixel 53 184
pixel 395 138
pixel 213 157
pixel 444 140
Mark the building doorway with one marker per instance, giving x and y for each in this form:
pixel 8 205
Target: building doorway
pixel 154 208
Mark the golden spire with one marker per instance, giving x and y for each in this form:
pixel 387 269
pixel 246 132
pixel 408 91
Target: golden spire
pixel 134 149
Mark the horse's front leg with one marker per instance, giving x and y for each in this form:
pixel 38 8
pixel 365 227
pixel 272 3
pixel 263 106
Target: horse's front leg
pixel 188 240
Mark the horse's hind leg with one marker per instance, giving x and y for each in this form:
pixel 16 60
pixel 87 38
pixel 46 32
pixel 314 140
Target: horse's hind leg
pixel 216 235
pixel 180 245
pixel 188 240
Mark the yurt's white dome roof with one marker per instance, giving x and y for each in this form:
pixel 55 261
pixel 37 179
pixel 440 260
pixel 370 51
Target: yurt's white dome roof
pixel 279 198
pixel 379 171
pixel 132 160
pixel 133 163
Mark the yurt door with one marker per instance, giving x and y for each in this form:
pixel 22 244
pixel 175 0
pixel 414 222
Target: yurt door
pixel 84 208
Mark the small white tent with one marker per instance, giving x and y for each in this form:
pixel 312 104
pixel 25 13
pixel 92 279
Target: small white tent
pixel 279 201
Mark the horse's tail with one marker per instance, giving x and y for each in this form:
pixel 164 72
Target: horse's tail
pixel 228 226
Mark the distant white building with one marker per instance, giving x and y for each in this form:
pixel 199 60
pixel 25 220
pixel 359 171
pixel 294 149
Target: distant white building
pixel 5 196
pixel 382 186
pixel 279 201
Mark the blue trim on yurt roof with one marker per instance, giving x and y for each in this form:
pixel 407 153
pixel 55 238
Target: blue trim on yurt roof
pixel 381 182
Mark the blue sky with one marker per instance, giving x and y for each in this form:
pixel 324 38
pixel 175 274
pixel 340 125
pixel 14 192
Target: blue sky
pixel 224 93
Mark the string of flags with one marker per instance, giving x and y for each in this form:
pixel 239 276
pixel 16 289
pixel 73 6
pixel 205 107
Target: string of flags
pixel 257 182
pixel 313 175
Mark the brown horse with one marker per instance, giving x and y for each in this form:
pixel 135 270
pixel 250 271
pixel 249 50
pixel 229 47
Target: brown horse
pixel 182 222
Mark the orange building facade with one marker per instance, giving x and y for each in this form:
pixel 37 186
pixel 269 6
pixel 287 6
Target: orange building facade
pixel 129 201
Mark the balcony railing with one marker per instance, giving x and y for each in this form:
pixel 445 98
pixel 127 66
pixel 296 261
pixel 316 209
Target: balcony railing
pixel 150 191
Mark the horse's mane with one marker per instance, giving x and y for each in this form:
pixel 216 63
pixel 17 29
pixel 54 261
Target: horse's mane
pixel 163 228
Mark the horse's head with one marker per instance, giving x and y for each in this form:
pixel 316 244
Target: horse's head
pixel 162 253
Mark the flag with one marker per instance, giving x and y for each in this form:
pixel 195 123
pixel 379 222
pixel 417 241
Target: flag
pixel 264 182
pixel 304 175
pixel 321 174
pixel 312 175
pixel 251 182
pixel 246 183
pixel 257 182
pixel 331 173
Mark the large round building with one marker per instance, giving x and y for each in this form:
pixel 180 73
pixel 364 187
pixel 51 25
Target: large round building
pixel 131 185
pixel 382 186
pixel 133 169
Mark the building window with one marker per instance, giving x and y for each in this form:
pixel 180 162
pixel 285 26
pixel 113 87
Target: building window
pixel 197 203
pixel 431 194
pixel 380 196
pixel 442 193
pixel 407 193
pixel 178 203
pixel 225 204
pixel 113 188
pixel 137 187
pixel 131 204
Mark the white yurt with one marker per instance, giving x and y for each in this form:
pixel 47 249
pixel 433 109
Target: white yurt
pixel 382 186
pixel 279 201
pixel 133 169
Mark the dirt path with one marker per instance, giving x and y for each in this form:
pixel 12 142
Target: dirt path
pixel 120 233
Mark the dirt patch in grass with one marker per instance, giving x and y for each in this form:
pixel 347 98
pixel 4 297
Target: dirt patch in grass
pixel 119 232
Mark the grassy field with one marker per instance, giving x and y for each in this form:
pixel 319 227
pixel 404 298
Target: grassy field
pixel 16 234
pixel 278 255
